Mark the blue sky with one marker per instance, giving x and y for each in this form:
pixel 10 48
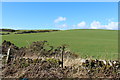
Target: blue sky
pixel 60 15
pixel 60 0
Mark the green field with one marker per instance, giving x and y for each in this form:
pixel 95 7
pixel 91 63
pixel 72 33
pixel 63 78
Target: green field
pixel 102 44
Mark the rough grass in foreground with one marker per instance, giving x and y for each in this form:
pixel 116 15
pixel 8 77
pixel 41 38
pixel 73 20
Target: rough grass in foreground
pixel 48 63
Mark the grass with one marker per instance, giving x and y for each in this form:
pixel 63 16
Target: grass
pixel 101 44
pixel 4 32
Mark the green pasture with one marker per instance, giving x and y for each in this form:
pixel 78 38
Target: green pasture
pixel 101 44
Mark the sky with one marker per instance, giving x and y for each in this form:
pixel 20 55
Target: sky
pixel 60 15
pixel 60 0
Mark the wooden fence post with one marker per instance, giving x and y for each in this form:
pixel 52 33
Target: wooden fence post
pixel 8 54
pixel 63 54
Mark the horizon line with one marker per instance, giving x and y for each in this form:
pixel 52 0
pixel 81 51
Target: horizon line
pixel 58 29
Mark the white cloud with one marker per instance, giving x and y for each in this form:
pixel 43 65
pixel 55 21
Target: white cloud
pixel 110 25
pixel 73 26
pixel 110 19
pixel 95 25
pixel 59 19
pixel 62 26
pixel 81 24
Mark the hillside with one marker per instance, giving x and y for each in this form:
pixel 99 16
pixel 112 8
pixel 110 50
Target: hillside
pixel 96 43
